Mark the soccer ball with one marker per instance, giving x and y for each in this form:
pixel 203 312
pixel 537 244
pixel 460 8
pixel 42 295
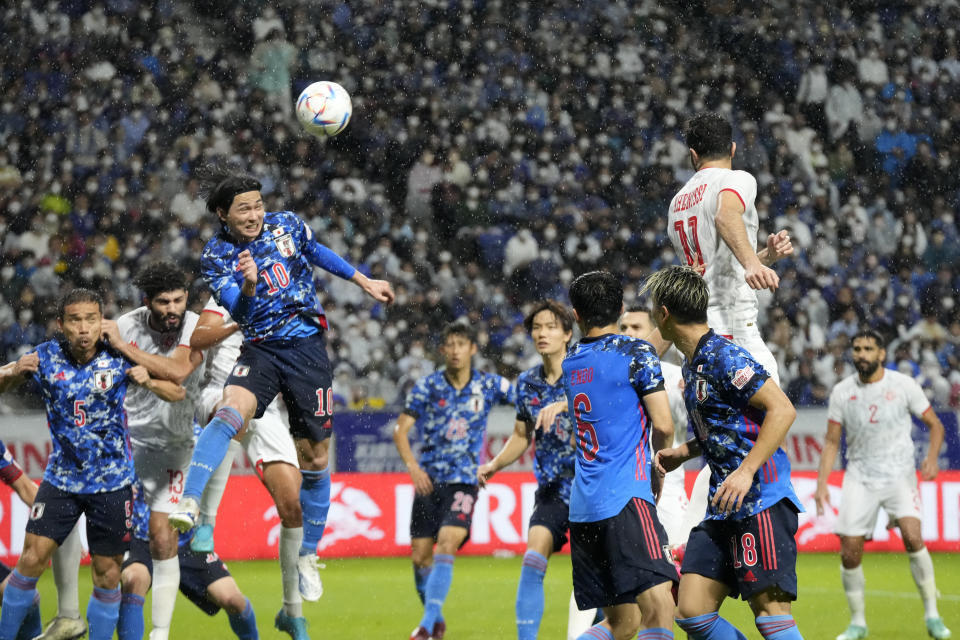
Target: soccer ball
pixel 324 109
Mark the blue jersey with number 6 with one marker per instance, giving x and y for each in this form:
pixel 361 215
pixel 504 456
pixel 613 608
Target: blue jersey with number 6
pixel 605 379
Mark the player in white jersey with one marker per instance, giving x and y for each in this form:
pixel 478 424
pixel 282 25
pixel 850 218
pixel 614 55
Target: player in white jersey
pixel 874 408
pixel 271 449
pixel 157 336
pixel 713 223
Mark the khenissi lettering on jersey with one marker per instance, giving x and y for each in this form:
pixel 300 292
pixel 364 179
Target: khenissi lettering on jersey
pixel 720 380
pixel 285 304
pixel 451 423
pixel 87 421
pixel 555 453
pixel 605 379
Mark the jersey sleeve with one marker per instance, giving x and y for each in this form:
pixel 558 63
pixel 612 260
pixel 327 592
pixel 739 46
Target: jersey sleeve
pixel 125 325
pixel 743 185
pixel 417 398
pixel 506 392
pixel 646 376
pixel 835 407
pixel 740 376
pixel 917 401
pixel 190 320
pixel 218 275
pixel 523 414
pixel 317 254
pixel 10 471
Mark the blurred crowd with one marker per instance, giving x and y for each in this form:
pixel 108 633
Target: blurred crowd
pixel 497 149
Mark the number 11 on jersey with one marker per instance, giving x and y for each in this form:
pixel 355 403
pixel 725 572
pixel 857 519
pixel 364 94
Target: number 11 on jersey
pixel 685 243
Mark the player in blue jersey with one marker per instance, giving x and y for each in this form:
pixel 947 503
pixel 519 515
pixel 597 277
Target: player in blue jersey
pixel 204 580
pixel 551 327
pixel 450 409
pixel 614 390
pixel 83 383
pixel 745 545
pixel 260 269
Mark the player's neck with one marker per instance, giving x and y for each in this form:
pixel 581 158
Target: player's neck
pixel 83 355
pixel 876 376
pixel 596 332
pixel 552 366
pixel 686 338
pixel 458 378
pixel 720 163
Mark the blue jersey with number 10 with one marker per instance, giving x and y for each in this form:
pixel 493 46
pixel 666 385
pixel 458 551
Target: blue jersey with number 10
pixel 285 304
pixel 605 379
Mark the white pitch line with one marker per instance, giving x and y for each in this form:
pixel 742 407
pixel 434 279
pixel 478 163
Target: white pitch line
pixel 949 597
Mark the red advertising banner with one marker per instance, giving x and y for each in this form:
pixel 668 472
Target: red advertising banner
pixel 370 516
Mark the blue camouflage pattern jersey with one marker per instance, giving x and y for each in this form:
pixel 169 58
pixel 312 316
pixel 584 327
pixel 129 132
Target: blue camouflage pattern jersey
pixel 605 379
pixel 451 423
pixel 720 380
pixel 88 425
pixel 141 513
pixel 9 469
pixel 285 305
pixel 555 453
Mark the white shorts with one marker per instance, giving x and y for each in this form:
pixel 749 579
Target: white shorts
pixel 162 473
pixel 268 440
pixel 750 339
pixel 672 507
pixel 860 506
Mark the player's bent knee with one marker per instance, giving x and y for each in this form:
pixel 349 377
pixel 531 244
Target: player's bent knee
pixel 135 579
pixel 106 571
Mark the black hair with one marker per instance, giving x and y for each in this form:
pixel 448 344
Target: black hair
pixel 559 311
pixel 223 182
pixel 636 308
pixel 682 291
pixel 76 296
pixel 710 135
pixel 873 334
pixel 597 297
pixel 460 329
pixel 160 277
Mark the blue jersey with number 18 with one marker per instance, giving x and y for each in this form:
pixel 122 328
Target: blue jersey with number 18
pixel 605 379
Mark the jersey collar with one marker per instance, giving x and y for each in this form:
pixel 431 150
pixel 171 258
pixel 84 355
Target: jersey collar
pixel 473 374
pixel 703 341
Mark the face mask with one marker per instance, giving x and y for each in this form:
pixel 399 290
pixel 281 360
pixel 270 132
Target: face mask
pixel 6 272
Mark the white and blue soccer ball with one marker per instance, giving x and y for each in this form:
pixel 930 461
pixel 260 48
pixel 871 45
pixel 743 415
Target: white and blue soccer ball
pixel 324 109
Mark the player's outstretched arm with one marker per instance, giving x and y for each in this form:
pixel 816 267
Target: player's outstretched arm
pixel 211 330
pixel 163 389
pixel 778 246
pixel 513 448
pixel 930 466
pixel 831 445
pixel 780 415
pixel 421 481
pixel 379 290
pixel 175 368
pixel 321 256
pixel 14 374
pixel 731 228
pixel 549 414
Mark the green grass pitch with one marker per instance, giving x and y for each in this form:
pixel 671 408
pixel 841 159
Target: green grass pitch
pixel 374 598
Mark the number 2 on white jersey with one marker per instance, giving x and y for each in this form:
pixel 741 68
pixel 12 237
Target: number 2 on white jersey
pixel 694 240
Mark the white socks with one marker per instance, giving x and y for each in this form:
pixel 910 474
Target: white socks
pixel 578 621
pixel 166 583
pixel 921 566
pixel 853 585
pixel 66 567
pixel 290 541
pixel 213 494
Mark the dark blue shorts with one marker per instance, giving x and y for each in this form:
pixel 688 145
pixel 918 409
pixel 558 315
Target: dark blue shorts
pixel 109 517
pixel 197 572
pixel 448 505
pixel 749 555
pixel 550 511
pixel 617 559
pixel 299 370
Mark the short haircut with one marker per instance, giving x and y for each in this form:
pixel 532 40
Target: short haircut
pixel 682 291
pixel 223 182
pixel 710 135
pixel 78 295
pixel 597 297
pixel 160 277
pixel 460 329
pixel 873 334
pixel 560 312
pixel 637 308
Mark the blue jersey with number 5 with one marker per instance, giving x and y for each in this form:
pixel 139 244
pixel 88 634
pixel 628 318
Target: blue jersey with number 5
pixel 605 379
pixel 452 422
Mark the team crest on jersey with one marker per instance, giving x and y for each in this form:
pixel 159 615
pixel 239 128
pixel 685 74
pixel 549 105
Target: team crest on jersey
pixel 284 244
pixel 742 377
pixel 102 380
pixel 241 370
pixel 476 403
pixel 36 511
pixel 702 393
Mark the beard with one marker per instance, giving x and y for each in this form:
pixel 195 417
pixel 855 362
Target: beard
pixel 168 321
pixel 866 369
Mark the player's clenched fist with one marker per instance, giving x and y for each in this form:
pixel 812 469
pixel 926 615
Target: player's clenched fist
pixel 761 277
pixel 421 481
pixel 485 472
pixel 28 363
pixel 138 374
pixel 247 266
pixel 110 332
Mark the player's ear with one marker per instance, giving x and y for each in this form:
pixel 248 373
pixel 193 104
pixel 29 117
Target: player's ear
pixel 733 148
pixel 694 159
